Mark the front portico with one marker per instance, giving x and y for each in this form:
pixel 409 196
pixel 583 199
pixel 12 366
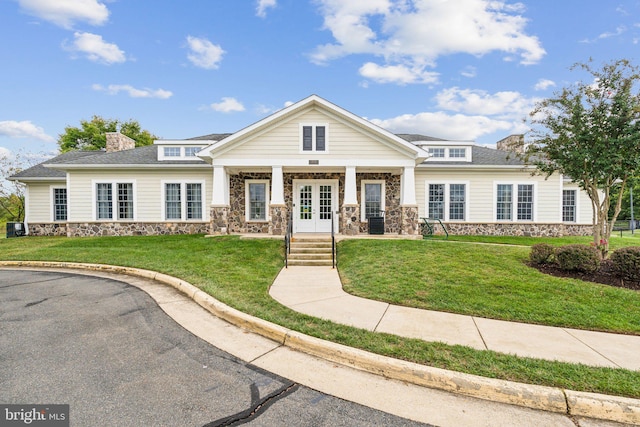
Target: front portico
pixel 317 164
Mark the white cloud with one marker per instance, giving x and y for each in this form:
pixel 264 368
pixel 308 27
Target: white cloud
pixel 621 29
pixel 399 74
pixel 447 126
pixel 263 5
pixel 415 34
pixel 227 105
pixel 469 72
pixel 134 92
pixel 65 13
pixel 23 129
pixel 204 54
pixel 544 84
pixel 501 104
pixel 96 49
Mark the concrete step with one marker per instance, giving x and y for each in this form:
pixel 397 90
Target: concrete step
pixel 309 262
pixel 313 250
pixel 294 255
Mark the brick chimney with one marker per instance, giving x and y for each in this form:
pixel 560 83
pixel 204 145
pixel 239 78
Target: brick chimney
pixel 512 143
pixel 118 142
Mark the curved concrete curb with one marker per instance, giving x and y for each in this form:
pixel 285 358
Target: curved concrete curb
pixel 591 405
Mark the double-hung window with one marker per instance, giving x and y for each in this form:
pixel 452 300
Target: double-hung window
pixel 257 200
pixel 183 200
pixel 373 194
pixel 114 200
pixel 569 205
pixel 447 201
pixel 518 198
pixel 314 138
pixel 59 204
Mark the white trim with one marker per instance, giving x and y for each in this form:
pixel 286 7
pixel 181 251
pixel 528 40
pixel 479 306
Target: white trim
pixel 313 126
pixel 576 213
pixel 363 199
pixel 114 199
pixel 277 186
pixel 350 186
pixel 181 150
pixel 183 199
pixel 247 206
pixel 408 187
pixel 447 198
pixel 323 162
pixel 514 202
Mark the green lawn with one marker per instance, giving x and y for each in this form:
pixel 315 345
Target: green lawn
pixel 239 273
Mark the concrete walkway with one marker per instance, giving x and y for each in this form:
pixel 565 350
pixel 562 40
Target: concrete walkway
pixel 317 291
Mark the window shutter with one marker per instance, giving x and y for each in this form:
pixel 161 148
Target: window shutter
pixel 307 141
pixel 320 138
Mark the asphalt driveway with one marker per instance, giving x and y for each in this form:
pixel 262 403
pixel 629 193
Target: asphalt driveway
pixel 105 348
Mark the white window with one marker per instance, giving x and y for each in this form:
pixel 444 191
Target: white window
pixel 191 151
pixel 569 205
pixel 60 209
pixel 114 200
pixel 437 152
pixel 447 201
pixel 183 200
pixel 518 198
pixel 313 138
pixel 373 195
pixel 257 200
pixel 172 151
pixel 457 153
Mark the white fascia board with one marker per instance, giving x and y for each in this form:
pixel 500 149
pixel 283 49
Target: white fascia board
pixel 38 179
pixel 183 142
pixel 487 167
pixel 445 143
pixel 322 162
pixel 198 165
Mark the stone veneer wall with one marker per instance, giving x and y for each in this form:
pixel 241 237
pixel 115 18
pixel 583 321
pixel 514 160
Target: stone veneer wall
pixel 237 212
pixel 93 229
pixel 48 229
pixel 517 229
pixel 393 211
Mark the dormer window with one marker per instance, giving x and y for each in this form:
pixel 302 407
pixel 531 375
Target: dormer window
pixel 457 153
pixel 191 151
pixel 437 152
pixel 172 151
pixel 179 153
pixel 314 138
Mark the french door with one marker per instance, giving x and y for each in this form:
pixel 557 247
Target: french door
pixel 314 203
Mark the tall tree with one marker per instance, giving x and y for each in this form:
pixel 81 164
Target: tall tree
pixel 91 135
pixel 590 132
pixel 12 207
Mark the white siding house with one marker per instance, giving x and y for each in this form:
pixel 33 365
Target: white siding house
pixel 312 163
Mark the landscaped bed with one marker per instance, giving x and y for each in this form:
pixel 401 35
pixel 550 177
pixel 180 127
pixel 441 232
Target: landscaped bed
pixel 458 277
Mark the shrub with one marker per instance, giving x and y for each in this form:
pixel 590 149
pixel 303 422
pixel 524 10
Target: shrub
pixel 626 263
pixel 541 253
pixel 582 258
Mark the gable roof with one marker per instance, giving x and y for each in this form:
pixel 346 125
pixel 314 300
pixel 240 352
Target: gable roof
pixel 316 101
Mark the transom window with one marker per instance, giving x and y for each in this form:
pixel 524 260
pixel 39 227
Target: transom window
pixel 183 200
pixel 122 204
pixel 314 138
pixel 568 205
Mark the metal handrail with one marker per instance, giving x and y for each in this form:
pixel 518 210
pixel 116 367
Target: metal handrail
pixel 428 229
pixel 287 240
pixel 334 250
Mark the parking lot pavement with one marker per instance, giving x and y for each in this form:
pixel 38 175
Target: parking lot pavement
pixel 105 348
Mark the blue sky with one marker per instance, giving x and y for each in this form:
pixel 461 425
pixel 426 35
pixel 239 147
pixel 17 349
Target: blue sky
pixel 455 69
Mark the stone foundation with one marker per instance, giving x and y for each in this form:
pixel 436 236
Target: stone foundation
pixel 48 229
pixel 279 219
pixel 94 229
pixel 517 229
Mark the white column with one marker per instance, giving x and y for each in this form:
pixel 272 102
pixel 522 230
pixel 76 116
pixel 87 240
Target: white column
pixel 277 186
pixel 220 191
pixel 408 186
pixel 350 189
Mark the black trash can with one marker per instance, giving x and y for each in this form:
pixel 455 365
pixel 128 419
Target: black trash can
pixel 15 229
pixel 376 224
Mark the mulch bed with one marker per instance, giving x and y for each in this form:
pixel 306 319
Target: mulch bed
pixel 604 275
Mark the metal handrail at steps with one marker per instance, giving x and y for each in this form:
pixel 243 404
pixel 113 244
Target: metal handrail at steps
pixel 334 249
pixel 428 229
pixel 287 240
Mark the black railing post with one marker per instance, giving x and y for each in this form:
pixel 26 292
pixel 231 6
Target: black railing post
pixel 333 242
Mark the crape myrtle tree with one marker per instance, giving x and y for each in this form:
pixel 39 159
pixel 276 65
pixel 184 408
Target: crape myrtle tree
pixel 91 135
pixel 590 132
